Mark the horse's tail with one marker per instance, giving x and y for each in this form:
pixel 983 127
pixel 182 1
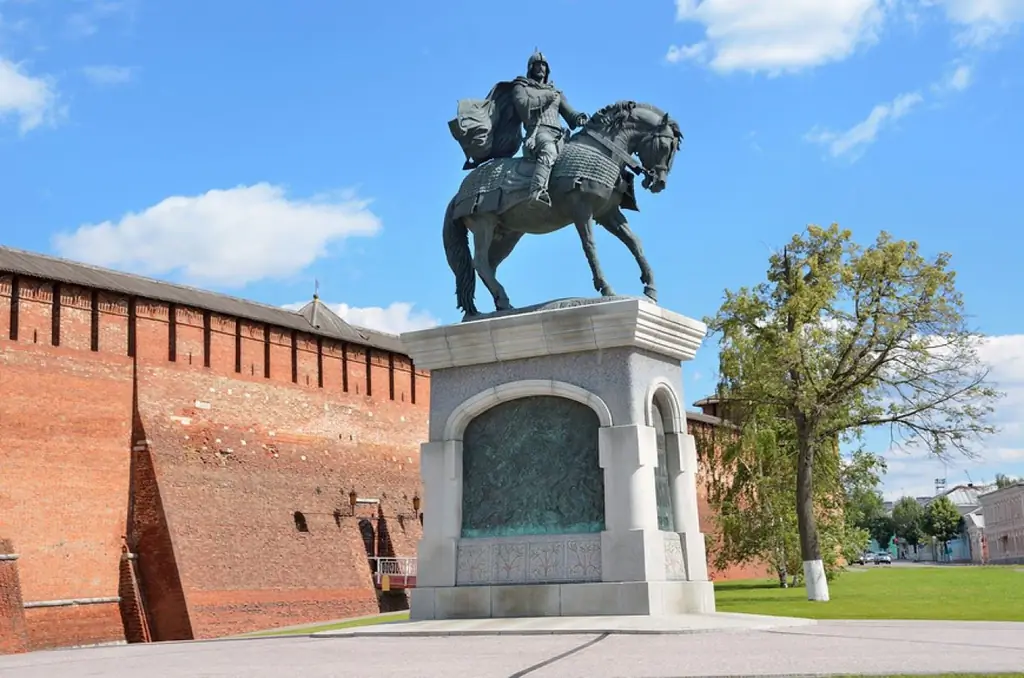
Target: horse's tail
pixel 456 247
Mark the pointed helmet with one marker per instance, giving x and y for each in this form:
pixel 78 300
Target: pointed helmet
pixel 538 57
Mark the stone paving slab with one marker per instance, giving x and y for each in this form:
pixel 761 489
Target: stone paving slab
pixel 611 624
pixel 827 648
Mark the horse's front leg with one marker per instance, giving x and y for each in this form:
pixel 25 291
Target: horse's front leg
pixel 614 221
pixel 584 226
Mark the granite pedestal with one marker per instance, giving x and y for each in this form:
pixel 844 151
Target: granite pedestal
pixel 559 478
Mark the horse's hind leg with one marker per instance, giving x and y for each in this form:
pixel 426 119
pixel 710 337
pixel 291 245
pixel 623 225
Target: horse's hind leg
pixel 504 242
pixel 614 221
pixel 483 228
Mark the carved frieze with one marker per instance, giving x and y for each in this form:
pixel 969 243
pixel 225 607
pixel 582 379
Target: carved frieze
pixel 675 563
pixel 529 560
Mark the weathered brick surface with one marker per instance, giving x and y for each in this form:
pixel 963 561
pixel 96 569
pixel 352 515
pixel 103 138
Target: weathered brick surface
pixel 13 633
pixel 5 305
pixel 73 625
pixel 236 458
pixel 150 537
pixel 131 417
pixel 35 320
pixel 133 616
pixel 66 417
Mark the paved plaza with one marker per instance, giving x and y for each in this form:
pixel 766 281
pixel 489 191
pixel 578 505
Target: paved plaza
pixel 828 647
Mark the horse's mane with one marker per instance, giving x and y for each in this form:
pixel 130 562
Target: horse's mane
pixel 613 116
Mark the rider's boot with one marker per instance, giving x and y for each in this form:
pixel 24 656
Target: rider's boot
pixel 539 185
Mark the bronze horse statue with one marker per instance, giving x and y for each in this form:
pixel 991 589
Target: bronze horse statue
pixel 589 182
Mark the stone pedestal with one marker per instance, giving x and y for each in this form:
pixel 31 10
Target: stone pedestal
pixel 559 478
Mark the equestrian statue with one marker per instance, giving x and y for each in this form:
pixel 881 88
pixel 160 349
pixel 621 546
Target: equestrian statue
pixel 562 178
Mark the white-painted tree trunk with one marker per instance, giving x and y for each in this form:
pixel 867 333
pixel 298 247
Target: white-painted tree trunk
pixel 817 584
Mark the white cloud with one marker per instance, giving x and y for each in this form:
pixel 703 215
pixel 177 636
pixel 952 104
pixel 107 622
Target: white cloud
pixel 854 140
pixel 85 21
pixel 778 36
pixel 696 52
pixel 957 80
pixel 982 21
pixel 29 99
pixel 223 237
pixel 109 75
pixel 398 317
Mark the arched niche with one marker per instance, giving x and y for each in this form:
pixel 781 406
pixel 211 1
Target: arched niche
pixel 530 460
pixel 470 408
pixel 665 414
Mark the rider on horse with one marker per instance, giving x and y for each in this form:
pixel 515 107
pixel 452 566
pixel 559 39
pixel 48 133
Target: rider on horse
pixel 492 128
pixel 539 104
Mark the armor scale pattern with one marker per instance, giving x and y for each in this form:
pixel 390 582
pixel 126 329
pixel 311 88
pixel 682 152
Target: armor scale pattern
pixel 576 161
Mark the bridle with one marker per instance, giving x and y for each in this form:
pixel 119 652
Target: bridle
pixel 638 168
pixel 660 134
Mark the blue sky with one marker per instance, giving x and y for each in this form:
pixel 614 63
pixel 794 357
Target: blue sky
pixel 254 147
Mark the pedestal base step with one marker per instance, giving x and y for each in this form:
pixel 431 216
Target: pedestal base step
pixel 563 600
pixel 610 624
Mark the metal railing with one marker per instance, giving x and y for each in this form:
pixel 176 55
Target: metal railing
pixel 401 572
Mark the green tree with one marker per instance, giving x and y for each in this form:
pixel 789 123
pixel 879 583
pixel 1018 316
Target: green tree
pixel 882 530
pixel 842 337
pixel 942 521
pixel 861 476
pixel 1004 481
pixel 908 520
pixel 754 503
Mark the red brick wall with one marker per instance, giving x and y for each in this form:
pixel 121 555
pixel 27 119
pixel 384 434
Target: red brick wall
pixel 13 635
pixel 133 615
pixel 160 585
pixel 122 429
pixel 73 625
pixel 705 434
pixel 236 458
pixel 66 416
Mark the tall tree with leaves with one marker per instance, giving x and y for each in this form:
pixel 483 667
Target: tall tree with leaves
pixel 842 337
pixel 908 521
pixel 882 529
pixel 753 501
pixel 942 521
pixel 1003 481
pixel 753 498
pixel 861 477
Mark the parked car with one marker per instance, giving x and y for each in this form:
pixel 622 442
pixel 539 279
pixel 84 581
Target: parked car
pixel 865 558
pixel 883 559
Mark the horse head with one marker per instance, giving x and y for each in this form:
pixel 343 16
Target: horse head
pixel 657 150
pixel 646 131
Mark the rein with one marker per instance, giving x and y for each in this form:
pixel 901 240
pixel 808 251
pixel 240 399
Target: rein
pixel 617 152
pixel 623 157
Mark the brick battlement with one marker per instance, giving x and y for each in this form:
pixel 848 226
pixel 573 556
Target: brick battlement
pixel 46 313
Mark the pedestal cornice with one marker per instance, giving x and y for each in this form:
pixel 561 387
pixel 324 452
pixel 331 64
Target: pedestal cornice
pixel 593 326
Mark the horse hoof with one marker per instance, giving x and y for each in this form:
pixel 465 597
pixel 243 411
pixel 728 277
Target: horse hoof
pixel 651 293
pixel 607 292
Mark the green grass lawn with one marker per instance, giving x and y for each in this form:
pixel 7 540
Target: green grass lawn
pixel 951 593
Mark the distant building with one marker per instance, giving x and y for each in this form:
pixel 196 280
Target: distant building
pixel 967 547
pixel 1003 512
